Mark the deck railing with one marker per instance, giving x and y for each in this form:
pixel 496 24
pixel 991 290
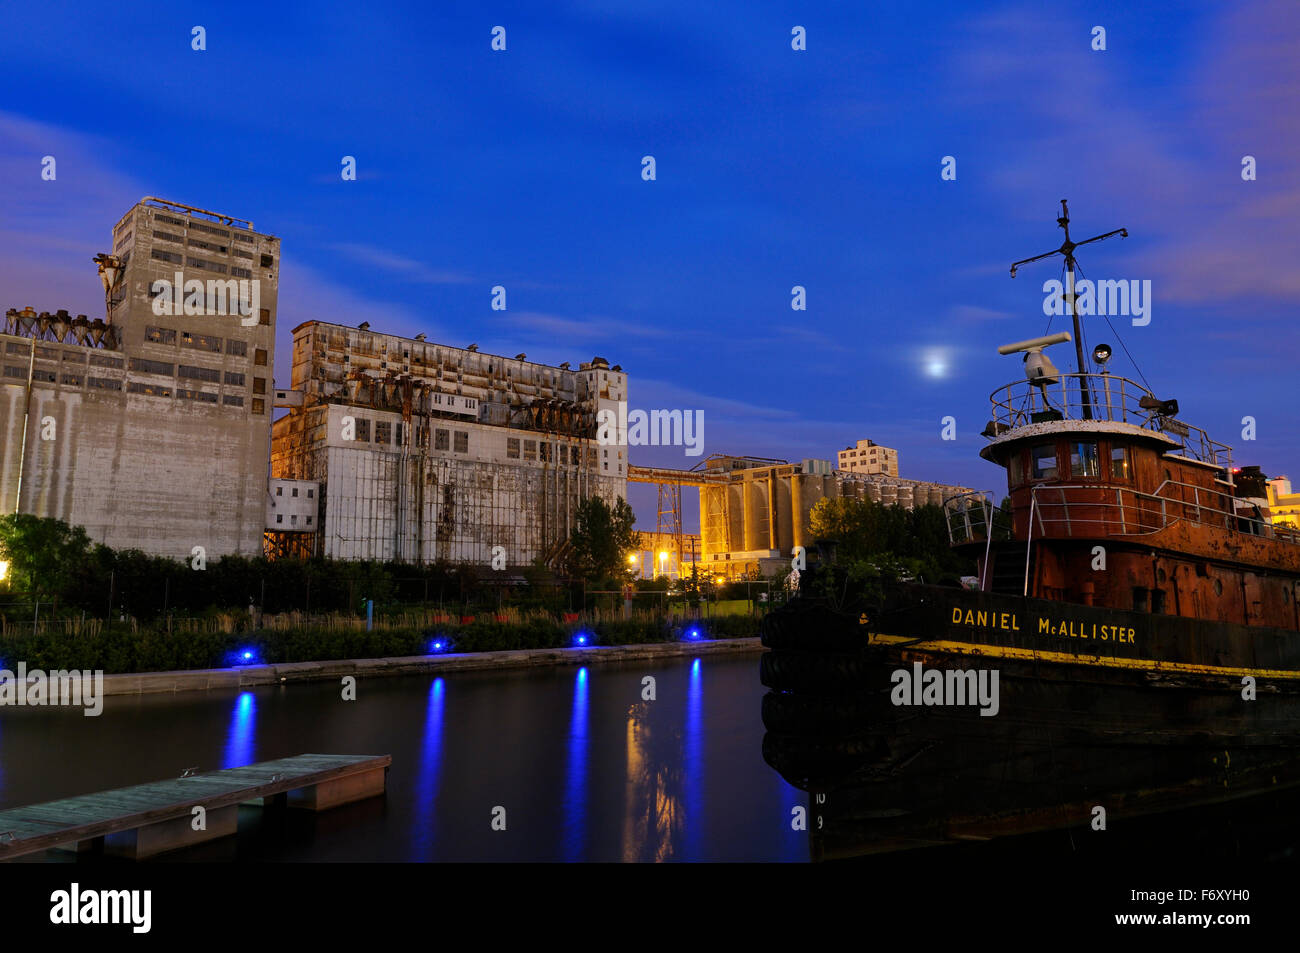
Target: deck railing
pixel 1102 397
pixel 1097 511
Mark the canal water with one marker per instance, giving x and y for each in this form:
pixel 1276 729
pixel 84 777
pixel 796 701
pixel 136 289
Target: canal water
pixel 585 768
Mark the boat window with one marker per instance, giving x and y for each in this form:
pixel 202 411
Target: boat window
pixel 1084 459
pixel 1120 466
pixel 1043 459
pixel 1015 469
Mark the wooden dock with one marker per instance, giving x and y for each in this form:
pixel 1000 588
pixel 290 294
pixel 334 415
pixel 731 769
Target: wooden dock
pixel 148 819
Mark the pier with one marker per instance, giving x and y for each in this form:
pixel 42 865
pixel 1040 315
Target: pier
pixel 148 819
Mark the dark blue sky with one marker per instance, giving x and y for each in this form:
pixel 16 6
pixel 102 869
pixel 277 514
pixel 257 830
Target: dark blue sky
pixel 775 168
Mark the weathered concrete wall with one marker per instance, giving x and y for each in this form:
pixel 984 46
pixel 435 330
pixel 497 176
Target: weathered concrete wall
pixel 159 474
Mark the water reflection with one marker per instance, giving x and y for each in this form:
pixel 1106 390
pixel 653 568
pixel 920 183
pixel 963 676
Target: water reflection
pixel 426 782
pixel 694 756
pixel 241 740
pixel 575 794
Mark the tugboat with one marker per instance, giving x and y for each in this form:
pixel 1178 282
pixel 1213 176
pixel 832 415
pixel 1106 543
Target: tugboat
pixel 1130 644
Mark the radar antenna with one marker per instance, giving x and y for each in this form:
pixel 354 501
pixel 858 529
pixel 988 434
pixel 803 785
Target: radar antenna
pixel 1067 250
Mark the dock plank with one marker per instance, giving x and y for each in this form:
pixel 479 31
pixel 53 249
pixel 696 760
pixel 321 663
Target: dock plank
pixel 37 827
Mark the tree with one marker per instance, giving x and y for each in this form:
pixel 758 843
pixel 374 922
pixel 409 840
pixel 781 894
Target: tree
pixel 44 554
pixel 601 539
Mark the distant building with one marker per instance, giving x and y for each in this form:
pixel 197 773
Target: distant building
pixel 423 452
pixel 1283 505
pixel 151 430
pixel 754 512
pixel 869 457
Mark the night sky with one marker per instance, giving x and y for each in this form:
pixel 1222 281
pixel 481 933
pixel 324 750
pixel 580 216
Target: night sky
pixel 775 168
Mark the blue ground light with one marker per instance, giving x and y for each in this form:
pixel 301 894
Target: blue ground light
pixel 246 656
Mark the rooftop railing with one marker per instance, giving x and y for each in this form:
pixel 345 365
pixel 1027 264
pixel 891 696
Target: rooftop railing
pixel 1100 397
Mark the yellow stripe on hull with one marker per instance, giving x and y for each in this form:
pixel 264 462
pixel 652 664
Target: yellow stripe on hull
pixel 1101 661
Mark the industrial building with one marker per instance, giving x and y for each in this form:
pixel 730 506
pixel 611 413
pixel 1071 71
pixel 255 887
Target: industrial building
pixel 151 429
pixel 754 512
pixel 423 452
pixel 869 457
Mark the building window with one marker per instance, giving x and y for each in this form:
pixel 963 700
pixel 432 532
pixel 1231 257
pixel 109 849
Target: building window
pixel 310 492
pixel 512 448
pixel 545 454
pixel 160 335
pixel 530 449
pixel 279 517
pixel 99 383
pixel 149 390
pixel 295 491
pixel 440 438
pixel 363 430
pixel 462 442
pixel 259 357
pixel 279 491
pixel 259 385
pixel 203 342
pixel 264 316
pixel 1084 459
pixel 383 432
pixel 259 405
pixel 237 348
pixel 1043 460
pixel 232 400
pixel 199 373
pixel 234 379
pixel 240 272
pixel 1120 467
pixel 152 367
pixel 166 256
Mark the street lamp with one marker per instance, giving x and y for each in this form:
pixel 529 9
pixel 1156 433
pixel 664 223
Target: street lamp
pixel 663 557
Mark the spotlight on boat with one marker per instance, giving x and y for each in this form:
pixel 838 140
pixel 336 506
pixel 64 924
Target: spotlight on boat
pixel 1101 354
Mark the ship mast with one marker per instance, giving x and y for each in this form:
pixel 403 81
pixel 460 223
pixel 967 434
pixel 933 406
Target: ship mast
pixel 1067 250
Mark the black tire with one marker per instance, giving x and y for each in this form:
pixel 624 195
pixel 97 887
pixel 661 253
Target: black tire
pixel 818 674
pixel 817 762
pixel 788 713
pixel 813 629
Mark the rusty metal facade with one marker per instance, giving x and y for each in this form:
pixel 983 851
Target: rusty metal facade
pixel 429 453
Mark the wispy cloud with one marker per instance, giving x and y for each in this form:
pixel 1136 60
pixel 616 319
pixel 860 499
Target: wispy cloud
pixel 408 269
pixel 591 328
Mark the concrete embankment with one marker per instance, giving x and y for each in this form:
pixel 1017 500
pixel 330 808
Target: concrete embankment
pixel 248 676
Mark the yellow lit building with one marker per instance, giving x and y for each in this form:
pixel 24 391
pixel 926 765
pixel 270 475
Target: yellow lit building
pixel 1283 505
pixel 869 457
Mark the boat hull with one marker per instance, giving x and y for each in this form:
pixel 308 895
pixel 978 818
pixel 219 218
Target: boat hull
pixel 1079 709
